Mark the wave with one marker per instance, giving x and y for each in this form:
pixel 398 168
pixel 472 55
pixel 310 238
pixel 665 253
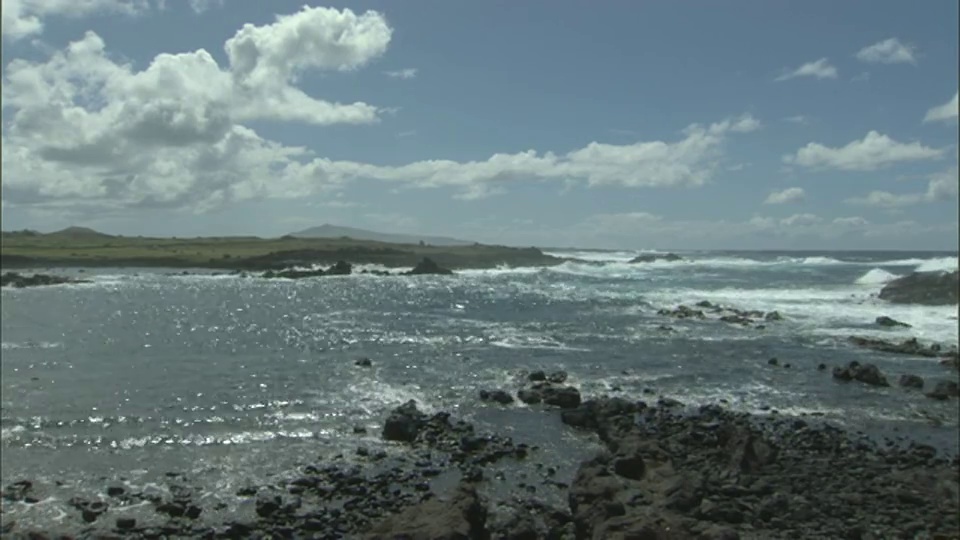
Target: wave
pixel 941 264
pixel 877 276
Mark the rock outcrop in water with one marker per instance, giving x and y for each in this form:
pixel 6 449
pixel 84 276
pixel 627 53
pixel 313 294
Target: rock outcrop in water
pixel 341 268
pixel 910 347
pixel 865 373
pixel 929 288
pixel 654 257
pixel 427 266
pixel 14 279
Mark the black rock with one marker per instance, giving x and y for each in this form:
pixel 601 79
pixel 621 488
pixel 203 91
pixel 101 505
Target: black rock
pixel 529 396
pixel 883 320
pixel 266 506
pixel 773 316
pixel 929 288
pixel 537 376
pixel 944 390
pixel 558 377
pixel 653 257
pixel 427 266
pixel 172 509
pixel 773 362
pixel 499 396
pixel 362 362
pixel 126 523
pixel 404 423
pixel 865 373
pixel 911 381
pixel 565 397
pixel 115 491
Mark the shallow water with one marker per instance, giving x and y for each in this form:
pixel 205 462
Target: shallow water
pixel 234 379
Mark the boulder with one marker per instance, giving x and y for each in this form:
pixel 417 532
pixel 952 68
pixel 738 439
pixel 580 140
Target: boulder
pixel 929 288
pixel 908 380
pixel 363 362
pixel 883 320
pixel 404 423
pixel 565 397
pixel 944 390
pixel 498 396
pixel 427 266
pixel 865 373
pixel 773 316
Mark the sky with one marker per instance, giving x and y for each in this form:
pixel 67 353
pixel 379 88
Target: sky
pixel 660 124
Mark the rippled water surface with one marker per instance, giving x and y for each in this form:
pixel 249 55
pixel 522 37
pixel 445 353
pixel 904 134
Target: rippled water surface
pixel 236 378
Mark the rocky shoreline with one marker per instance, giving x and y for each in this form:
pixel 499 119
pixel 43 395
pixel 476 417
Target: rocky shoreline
pixel 665 470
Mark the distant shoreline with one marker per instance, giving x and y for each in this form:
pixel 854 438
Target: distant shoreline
pixel 21 251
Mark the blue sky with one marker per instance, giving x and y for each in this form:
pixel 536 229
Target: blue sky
pixel 763 124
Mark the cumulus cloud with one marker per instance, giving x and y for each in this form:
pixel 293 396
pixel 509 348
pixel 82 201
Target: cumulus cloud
pixel 23 18
pixel 819 69
pixel 945 112
pixel 942 187
pixel 788 195
pixel 888 51
pixel 85 127
pixel 408 73
pixel 873 152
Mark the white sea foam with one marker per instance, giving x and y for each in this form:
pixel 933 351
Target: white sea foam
pixel 836 311
pixel 942 264
pixel 877 276
pixel 30 345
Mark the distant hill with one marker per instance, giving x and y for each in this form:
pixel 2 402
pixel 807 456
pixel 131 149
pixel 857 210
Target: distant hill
pixel 80 232
pixel 333 231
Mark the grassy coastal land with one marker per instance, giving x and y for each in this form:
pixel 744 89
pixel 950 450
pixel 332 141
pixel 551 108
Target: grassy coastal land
pixel 80 247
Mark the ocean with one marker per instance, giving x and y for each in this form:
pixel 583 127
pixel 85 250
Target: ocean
pixel 237 380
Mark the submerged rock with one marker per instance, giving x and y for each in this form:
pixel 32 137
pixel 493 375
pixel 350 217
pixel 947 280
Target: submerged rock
pixel 910 346
pixel 883 320
pixel 653 257
pixel 929 288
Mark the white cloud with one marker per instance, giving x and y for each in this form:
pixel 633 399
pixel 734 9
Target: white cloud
pixel 318 38
pixel 798 119
pixel 84 127
pixel 788 195
pixel 801 220
pixel 888 51
pixel 875 151
pixel 407 73
pixel 200 6
pixel 23 18
pixel 945 112
pixel 942 186
pixel 820 69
